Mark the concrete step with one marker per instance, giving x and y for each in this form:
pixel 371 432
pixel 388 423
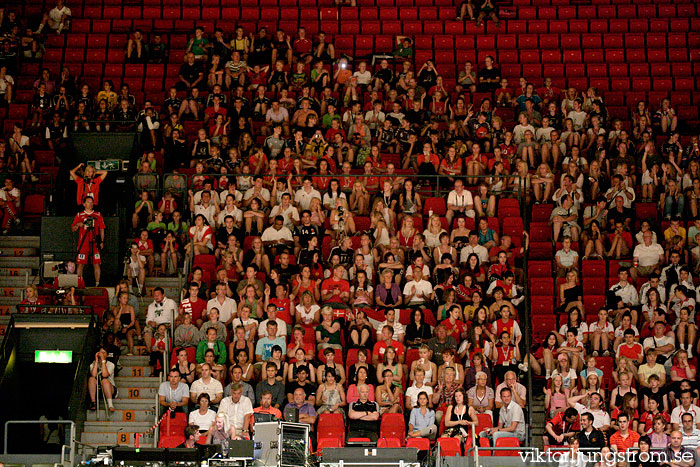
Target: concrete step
pixel 133 360
pixel 139 350
pixel 172 282
pixel 135 392
pixel 117 426
pixel 11 241
pixel 18 281
pixel 10 291
pixel 19 262
pixel 19 251
pixel 15 272
pixel 134 404
pixel 123 415
pixel 135 370
pixel 8 305
pixel 137 381
pixel 111 438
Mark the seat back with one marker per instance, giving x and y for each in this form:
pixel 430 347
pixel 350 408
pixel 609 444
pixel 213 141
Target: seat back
pixel 393 426
pixel 449 447
pixel 422 444
pixel 507 443
pixel 388 443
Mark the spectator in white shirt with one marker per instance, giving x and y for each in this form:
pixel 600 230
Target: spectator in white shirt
pixel 162 310
pixel 272 316
pixel 459 200
pixel 648 256
pixel 418 291
pixel 566 258
pixel 305 194
pixel 474 247
pixel 239 410
pixel 225 305
pixel 686 407
pixel 287 211
pixel 664 344
pixel 277 235
pixel 207 384
pixel 203 418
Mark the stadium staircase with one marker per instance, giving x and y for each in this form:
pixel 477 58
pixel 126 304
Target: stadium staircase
pixel 19 265
pixel 135 405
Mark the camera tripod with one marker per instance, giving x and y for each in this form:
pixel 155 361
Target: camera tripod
pixel 92 245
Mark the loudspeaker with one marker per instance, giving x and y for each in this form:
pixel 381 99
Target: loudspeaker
pixel 291 414
pixel 375 456
pixel 58 239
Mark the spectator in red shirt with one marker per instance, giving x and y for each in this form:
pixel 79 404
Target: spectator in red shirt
pixel 561 427
pixel 193 305
pixel 91 232
pixel 146 250
pixel 548 93
pixel 335 289
pixel 302 46
pixel 455 326
pixel 88 183
pixel 31 298
pixel 387 341
pixel 624 438
pixel 428 161
pixel 631 349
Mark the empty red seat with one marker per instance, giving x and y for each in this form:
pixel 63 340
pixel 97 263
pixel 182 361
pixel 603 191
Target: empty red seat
pixel 542 286
pixel 507 442
pixel 393 426
pixel 449 447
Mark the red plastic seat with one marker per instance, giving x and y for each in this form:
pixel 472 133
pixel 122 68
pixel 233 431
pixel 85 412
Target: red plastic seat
pixel 542 286
pixel 388 443
pixel 449 447
pixel 171 441
pixel 593 285
pixel 593 303
pixel 327 443
pixel 422 444
pixel 332 425
pixel 507 443
pixel 393 426
pixel 34 206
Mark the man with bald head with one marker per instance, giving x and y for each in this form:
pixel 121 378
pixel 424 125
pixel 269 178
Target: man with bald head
pixel 307 413
pixel 364 416
pixel 675 454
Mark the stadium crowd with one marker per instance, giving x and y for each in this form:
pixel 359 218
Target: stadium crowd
pixel 330 277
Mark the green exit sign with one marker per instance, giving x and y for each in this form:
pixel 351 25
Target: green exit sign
pixel 107 164
pixel 53 356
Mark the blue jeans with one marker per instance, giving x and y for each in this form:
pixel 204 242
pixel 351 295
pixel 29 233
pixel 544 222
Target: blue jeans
pixel 674 207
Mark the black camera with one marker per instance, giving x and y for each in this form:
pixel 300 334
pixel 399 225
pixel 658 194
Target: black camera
pixel 89 223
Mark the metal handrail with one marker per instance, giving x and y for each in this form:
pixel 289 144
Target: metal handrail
pixel 163 378
pixel 67 307
pixel 71 445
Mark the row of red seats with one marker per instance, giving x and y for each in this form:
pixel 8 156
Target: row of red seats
pixel 631 11
pixel 595 2
pixel 271 10
pixel 228 18
pixel 331 433
pixel 373 30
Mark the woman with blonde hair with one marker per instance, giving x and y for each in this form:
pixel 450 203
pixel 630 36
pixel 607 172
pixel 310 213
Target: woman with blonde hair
pixel 433 231
pixel 221 430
